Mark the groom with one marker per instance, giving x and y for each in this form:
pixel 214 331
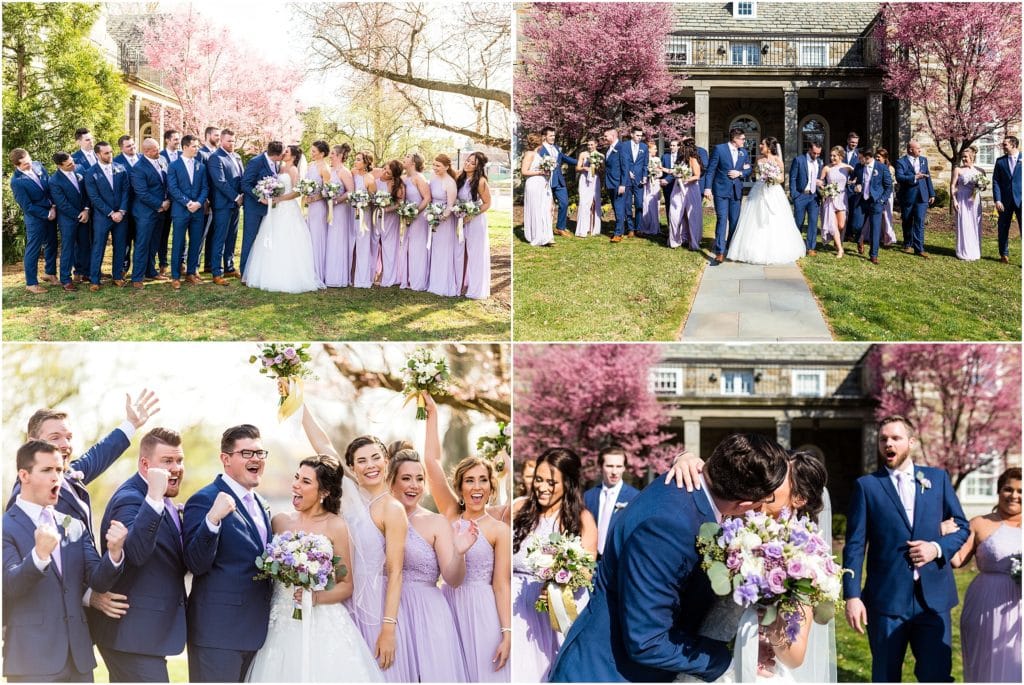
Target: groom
pixel 557 180
pixel 650 595
pixel 253 210
pixel 896 512
pixel 226 527
pixel 728 168
pixel 803 188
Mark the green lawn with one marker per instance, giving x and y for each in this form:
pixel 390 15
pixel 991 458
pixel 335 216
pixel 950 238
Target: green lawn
pixel 211 312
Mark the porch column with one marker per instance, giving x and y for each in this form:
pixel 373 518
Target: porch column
pixel 875 119
pixel 691 436
pixel 869 445
pixel 136 103
pixel 702 110
pixel 783 431
pixel 791 126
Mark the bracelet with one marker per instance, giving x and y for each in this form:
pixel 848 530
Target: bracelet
pixel 506 630
pixel 389 619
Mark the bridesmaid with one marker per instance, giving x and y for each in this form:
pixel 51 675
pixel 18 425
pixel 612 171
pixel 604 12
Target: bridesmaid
pixel 391 180
pixel 650 217
pixel 685 210
pixel 482 604
pixel 477 268
pixel 990 628
pixel 431 550
pixel 588 212
pixel 338 260
pixel 888 228
pixel 536 196
pixel 833 210
pixel 554 504
pixel 445 256
pixel 316 218
pixel 413 255
pixel 378 527
pixel 967 207
pixel 364 263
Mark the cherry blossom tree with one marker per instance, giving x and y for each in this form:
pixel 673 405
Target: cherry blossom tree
pixel 958 63
pixel 586 397
pixel 580 77
pixel 964 400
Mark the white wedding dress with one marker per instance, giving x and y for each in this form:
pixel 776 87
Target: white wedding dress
pixel 766 232
pixel 335 651
pixel 282 255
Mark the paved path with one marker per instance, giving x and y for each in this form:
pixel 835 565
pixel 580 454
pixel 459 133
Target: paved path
pixel 750 302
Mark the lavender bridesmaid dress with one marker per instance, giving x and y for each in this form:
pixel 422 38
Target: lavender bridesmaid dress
pixel 363 259
pixel 588 213
pixel 888 227
pixel 414 257
pixel 476 615
pixel 968 219
pixel 829 226
pixel 431 641
pixel 446 252
pixel 338 248
pixel 685 215
pixel 534 642
pixel 316 219
pixel 990 627
pixel 650 219
pixel 477 278
pixel 387 247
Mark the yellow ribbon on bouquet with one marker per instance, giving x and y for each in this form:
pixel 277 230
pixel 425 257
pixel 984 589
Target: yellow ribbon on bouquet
pixel 562 608
pixel 421 403
pixel 290 388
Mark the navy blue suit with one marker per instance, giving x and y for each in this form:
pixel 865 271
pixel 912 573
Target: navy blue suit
pixel 106 200
pixel 132 224
pixel 253 211
pixel 592 501
pixel 182 191
pixel 40 232
pixel 668 177
pixel 82 163
pixel 83 245
pixel 150 192
pixel 613 178
pixel 855 223
pixel 900 609
pixel 879 190
pixel 727 192
pixel 225 186
pixel 805 204
pixel 134 647
pixel 227 610
pixel 70 202
pixel 649 598
pixel 46 637
pixel 634 185
pixel 205 153
pixel 165 232
pixel 557 182
pixel 1006 188
pixel 913 198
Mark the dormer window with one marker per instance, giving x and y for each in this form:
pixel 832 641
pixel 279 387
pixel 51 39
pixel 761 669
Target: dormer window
pixel 744 10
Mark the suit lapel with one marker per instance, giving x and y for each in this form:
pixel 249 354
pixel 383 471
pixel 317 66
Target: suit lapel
pixel 700 498
pixel 890 490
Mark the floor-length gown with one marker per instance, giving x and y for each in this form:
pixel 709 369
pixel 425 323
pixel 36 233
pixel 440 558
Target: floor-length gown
pixel 363 259
pixel 685 215
pixel 837 203
pixel 414 257
pixel 537 227
pixel 888 236
pixel 650 217
pixel 446 255
pixel 316 219
pixel 588 209
pixel 766 232
pixel 968 219
pixel 534 642
pixel 431 642
pixel 387 245
pixel 338 265
pixel 990 626
pixel 477 268
pixel 476 615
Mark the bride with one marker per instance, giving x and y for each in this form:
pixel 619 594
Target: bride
pixel 767 233
pixel 282 255
pixel 289 653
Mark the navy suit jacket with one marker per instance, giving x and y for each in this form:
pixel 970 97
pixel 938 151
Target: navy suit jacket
pixel 877 520
pixel 557 178
pixel 225 180
pixel 123 161
pixel 35 201
pixel 720 166
pixel 149 189
pixel 106 200
pixel 257 169
pixel 592 499
pixel 153 578
pixel 43 617
pixel 167 157
pixel 911 191
pixel 82 164
pixel 650 596
pixel 798 175
pixel 613 167
pixel 880 187
pixel 227 608
pixel 1006 187
pixel 70 201
pixel 668 177
pixel 180 190
pixel 638 167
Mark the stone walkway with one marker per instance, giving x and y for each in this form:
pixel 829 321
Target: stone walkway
pixel 736 302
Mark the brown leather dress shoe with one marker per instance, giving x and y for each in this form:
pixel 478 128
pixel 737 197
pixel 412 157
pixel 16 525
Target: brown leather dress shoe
pixel 232 274
pixel 35 289
pixel 719 257
pixel 874 260
pixel 908 250
pixel 860 248
pixel 220 281
pixel 631 234
pixel 193 279
pixel 69 287
pixel 119 283
pixel 94 288
pixel 176 284
pixel 616 239
pixel 923 255
pixel 1004 259
pixel 50 278
pixel 811 253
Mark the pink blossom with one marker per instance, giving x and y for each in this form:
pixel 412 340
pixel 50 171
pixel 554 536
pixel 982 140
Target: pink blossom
pixel 563 576
pixel 777 580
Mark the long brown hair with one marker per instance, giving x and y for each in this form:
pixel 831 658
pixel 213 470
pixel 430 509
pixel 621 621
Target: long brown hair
pixel 567 463
pixel 447 162
pixel 478 173
pixel 397 187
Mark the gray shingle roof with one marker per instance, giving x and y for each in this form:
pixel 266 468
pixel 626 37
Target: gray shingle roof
pixel 843 18
pixel 761 352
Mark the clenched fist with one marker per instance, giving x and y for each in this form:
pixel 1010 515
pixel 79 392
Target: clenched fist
pixel 116 535
pixel 222 506
pixel 157 481
pixel 47 539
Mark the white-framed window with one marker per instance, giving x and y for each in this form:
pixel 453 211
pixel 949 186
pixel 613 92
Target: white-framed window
pixel 666 381
pixel 814 129
pixel 813 55
pixel 808 383
pixel 752 129
pixel 746 54
pixel 737 381
pixel 744 9
pixel 678 50
pixel 989 149
pixel 979 487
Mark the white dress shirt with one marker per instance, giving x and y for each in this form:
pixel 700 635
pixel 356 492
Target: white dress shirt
pixel 812 168
pixel 606 507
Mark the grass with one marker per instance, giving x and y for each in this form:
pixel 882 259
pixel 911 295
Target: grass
pixel 210 312
pixel 589 289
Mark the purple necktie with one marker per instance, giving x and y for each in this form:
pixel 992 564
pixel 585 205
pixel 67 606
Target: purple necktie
pixel 74 179
pixel 47 517
pixel 31 174
pixel 867 182
pixel 256 514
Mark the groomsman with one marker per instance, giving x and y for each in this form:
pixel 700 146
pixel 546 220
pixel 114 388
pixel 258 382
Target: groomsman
pixel 85 157
pixel 668 180
pixel 614 182
pixel 226 527
pixel 225 198
pixel 873 185
pixel 804 182
pixel 1006 191
pixel 557 179
pixel 606 500
pixel 916 194
pixel 49 561
pixel 67 189
pixel 135 647
pixel 855 220
pixel 151 204
pixel 634 161
pixel 212 137
pixel 30 184
pixel 188 190
pixel 728 168
pixel 908 589
pixel 254 209
pixel 170 153
pixel 107 184
pixel 128 158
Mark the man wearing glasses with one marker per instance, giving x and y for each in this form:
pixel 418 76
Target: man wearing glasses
pixel 227 525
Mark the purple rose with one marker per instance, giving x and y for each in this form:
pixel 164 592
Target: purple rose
pixel 772 550
pixel 733 561
pixel 777 580
pixel 746 594
pixel 268 361
pixel 797 569
pixel 563 576
pixel 289 353
pixel 278 359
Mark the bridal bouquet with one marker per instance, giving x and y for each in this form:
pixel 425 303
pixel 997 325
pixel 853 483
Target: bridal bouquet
pixel 359 200
pixel 267 188
pixel 565 566
pixel 382 199
pixel 830 190
pixel 654 168
pixel 548 164
pixel 1015 567
pixel 298 559
pixel 769 172
pixel 434 212
pixel 467 208
pixel 286 363
pixel 596 161
pixel 777 564
pixel 307 187
pixel 495 448
pixel 409 211
pixel 982 183
pixel 425 371
pixel 330 191
pixel 682 171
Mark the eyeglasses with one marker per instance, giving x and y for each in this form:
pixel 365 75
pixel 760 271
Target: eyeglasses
pixel 251 454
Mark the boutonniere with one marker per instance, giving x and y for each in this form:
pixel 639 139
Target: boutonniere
pixel 922 481
pixel 66 522
pixel 76 476
pixel 73 528
pixel 621 505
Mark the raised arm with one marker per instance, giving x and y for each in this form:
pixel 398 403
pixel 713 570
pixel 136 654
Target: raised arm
pixel 316 435
pixel 446 499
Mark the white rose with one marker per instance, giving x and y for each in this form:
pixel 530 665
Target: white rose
pixel 752 565
pixel 748 540
pixel 300 558
pixel 313 567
